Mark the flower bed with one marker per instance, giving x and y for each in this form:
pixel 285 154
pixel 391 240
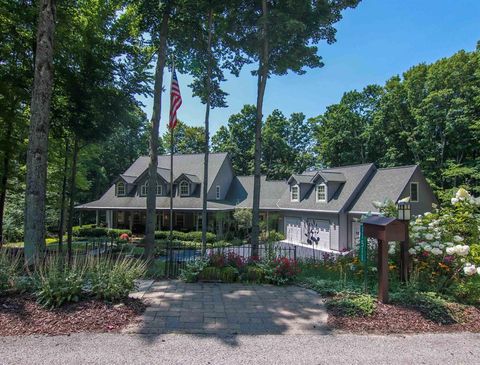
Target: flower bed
pixel 231 267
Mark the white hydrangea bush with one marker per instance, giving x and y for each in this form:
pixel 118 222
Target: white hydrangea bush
pixel 445 242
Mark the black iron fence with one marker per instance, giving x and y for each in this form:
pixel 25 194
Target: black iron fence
pixel 178 257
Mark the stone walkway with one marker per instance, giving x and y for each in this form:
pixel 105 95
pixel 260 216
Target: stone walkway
pixel 221 309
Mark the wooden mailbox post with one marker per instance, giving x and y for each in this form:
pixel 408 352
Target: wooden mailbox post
pixel 385 230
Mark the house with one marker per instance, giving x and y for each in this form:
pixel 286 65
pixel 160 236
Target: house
pixel 319 207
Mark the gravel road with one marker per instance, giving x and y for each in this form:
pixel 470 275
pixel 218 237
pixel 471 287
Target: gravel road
pixel 463 348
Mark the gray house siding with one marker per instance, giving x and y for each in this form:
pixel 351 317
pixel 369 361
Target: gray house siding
pixel 425 194
pixel 223 179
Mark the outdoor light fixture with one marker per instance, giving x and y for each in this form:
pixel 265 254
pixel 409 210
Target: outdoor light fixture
pixel 404 210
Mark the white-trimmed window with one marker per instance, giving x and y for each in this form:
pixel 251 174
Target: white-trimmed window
pixel 121 188
pixel 321 193
pixel 144 189
pixel 414 192
pixel 159 189
pixel 184 188
pixel 217 192
pixel 295 193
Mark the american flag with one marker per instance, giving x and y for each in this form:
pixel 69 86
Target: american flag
pixel 175 100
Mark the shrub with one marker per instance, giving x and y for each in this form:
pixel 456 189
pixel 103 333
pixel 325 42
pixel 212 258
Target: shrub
pixel 194 236
pixel 211 273
pixel 467 292
pixel 57 283
pixel 234 260
pixel 112 280
pixel 445 241
pixel 92 230
pixel 352 305
pixel 430 305
pixel 323 287
pixel 115 233
pixel 9 266
pixel 192 270
pixel 217 259
pixel 228 274
pixel 280 271
pixel 254 274
pixel 274 236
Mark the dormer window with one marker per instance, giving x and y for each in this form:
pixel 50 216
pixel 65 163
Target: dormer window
pixel 294 193
pixel 121 188
pixel 217 192
pixel 159 189
pixel 184 188
pixel 321 193
pixel 144 189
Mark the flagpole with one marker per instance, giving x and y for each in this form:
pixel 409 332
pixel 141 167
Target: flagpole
pixel 171 169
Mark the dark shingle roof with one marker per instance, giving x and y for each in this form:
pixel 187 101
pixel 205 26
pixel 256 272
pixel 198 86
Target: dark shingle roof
pixel 192 164
pixel 384 184
pixel 240 193
pixel 354 176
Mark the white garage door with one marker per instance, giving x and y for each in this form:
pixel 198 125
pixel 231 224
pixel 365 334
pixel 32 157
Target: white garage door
pixel 293 229
pixel 318 233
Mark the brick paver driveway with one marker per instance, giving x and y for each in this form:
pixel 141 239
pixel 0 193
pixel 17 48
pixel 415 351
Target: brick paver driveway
pixel 211 308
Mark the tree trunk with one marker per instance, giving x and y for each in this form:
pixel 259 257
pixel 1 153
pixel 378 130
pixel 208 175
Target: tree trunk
pixel 262 83
pixel 73 178
pixel 61 226
pixel 155 123
pixel 38 134
pixel 6 169
pixel 207 136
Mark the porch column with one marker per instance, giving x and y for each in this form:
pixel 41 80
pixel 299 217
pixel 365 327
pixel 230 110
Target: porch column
pixel 80 218
pixel 109 214
pixel 97 218
pixel 130 221
pixel 268 228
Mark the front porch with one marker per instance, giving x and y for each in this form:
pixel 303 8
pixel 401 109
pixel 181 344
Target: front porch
pixel 219 222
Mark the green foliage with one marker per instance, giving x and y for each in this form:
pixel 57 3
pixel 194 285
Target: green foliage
pixel 57 283
pixel 243 221
pixel 9 271
pixel 352 305
pixel 445 251
pixel 194 236
pixel 429 304
pixel 467 292
pixel 429 116
pixel 253 274
pixel 94 231
pixel 280 271
pixel 111 279
pixel 226 274
pixel 192 270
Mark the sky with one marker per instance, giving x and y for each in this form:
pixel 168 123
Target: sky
pixel 375 41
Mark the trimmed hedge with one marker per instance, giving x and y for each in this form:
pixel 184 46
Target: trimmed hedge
pixel 194 236
pixel 94 231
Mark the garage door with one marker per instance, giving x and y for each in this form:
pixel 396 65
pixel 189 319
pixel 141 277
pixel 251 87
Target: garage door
pixel 293 229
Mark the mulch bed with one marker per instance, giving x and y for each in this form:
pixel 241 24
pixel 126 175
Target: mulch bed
pixel 389 319
pixel 21 315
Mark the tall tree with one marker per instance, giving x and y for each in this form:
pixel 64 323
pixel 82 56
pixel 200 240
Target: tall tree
pixel 38 135
pixel 237 138
pixel 286 145
pixel 282 36
pixel 187 139
pixel 159 33
pixel 345 131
